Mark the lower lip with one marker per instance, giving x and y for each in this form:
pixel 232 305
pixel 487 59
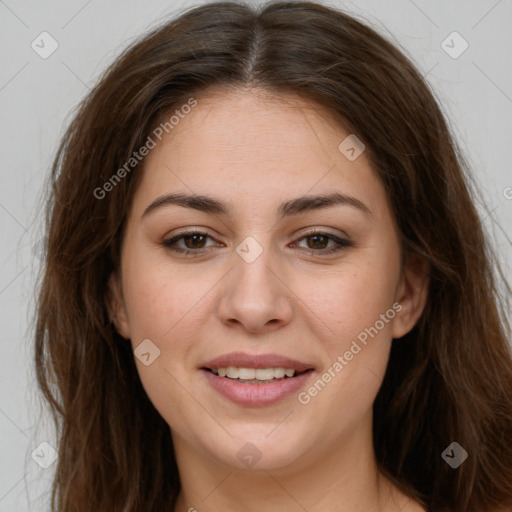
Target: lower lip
pixel 254 395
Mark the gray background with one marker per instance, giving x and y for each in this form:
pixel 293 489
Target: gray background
pixel 37 97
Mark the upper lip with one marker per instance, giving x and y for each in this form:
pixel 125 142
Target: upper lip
pixel 244 360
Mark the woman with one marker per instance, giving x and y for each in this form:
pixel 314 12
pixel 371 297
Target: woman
pixel 267 286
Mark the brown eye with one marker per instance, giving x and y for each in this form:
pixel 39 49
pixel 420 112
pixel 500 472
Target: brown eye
pixel 195 241
pixel 317 243
pixel 192 242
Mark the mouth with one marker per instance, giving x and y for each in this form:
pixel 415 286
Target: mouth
pixel 256 380
pixel 256 375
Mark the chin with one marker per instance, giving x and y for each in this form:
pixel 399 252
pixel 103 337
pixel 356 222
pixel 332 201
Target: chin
pixel 262 448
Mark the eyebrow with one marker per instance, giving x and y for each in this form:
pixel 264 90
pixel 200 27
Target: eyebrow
pixel 292 207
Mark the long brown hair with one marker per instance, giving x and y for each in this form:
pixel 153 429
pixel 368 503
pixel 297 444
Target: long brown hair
pixel 449 379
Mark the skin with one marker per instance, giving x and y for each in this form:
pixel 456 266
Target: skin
pixel 255 150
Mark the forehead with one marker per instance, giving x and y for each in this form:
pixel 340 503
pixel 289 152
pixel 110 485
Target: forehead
pixel 243 144
pixel 249 119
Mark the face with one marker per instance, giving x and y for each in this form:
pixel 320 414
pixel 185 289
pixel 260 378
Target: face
pixel 272 280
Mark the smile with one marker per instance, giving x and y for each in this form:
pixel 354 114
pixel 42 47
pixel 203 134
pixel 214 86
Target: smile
pixel 254 375
pixel 255 380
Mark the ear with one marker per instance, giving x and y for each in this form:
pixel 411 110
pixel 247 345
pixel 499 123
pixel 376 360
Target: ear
pixel 412 293
pixel 116 307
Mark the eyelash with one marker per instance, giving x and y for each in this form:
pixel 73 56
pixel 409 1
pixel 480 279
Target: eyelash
pixel 341 243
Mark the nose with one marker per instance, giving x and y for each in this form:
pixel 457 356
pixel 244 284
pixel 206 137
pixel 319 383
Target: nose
pixel 255 294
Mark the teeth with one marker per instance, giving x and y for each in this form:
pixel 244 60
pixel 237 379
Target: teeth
pixel 262 374
pixel 246 373
pixel 279 373
pixel 233 372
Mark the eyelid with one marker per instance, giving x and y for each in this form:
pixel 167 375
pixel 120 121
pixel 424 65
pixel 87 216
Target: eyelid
pixel 321 231
pixel 184 233
pixel 192 230
pixel 342 242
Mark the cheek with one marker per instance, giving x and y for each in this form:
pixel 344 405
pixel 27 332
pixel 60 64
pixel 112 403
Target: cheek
pixel 161 299
pixel 355 308
pixel 165 307
pixel 348 299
